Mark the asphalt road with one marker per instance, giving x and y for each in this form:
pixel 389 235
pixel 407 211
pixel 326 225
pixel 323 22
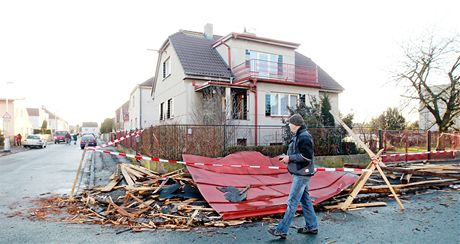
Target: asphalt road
pixel 429 218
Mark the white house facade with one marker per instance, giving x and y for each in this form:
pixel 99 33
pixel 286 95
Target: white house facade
pixel 141 114
pixel 238 79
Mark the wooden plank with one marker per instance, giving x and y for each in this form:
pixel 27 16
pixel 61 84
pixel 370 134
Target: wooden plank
pixel 389 186
pixel 358 205
pixel 144 170
pixel 417 172
pixel 77 173
pixel 193 216
pixel 131 171
pixel 428 182
pixel 375 164
pixel 126 175
pixel 120 209
pixel 110 186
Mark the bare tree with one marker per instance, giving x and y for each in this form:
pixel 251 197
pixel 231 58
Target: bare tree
pixel 428 63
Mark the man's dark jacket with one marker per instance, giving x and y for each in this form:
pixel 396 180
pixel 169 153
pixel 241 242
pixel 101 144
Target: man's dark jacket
pixel 300 151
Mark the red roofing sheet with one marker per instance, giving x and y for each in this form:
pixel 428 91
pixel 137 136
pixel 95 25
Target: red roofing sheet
pixel 269 187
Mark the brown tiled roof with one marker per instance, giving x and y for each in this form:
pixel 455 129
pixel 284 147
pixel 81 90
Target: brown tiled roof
pixel 148 82
pixel 33 111
pixel 325 80
pixel 197 56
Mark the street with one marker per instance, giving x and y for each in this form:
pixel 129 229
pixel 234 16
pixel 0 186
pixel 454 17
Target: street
pixel 24 176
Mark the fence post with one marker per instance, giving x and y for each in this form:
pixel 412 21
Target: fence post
pixel 429 144
pixel 380 139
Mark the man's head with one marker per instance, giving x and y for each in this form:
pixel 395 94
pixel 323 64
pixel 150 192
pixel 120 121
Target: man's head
pixel 295 121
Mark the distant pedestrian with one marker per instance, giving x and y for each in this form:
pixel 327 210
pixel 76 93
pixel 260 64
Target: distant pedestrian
pixel 19 140
pixel 67 138
pixel 300 161
pixel 75 137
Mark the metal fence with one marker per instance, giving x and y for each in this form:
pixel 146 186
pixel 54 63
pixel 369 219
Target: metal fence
pixel 171 141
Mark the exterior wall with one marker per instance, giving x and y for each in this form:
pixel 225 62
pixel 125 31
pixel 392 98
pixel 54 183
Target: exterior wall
pixel 11 113
pixel 141 108
pixel 238 48
pixel 21 122
pixel 134 110
pixel 426 119
pixel 147 107
pixel 173 87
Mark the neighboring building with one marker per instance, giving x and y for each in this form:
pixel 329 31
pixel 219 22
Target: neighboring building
pixel 141 113
pixel 238 79
pixel 55 122
pixel 89 128
pixel 122 117
pixel 426 119
pixel 18 118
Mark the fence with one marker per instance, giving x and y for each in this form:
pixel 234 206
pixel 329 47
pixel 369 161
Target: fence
pixel 171 141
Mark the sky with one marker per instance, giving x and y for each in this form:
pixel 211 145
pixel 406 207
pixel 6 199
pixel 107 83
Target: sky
pixel 81 59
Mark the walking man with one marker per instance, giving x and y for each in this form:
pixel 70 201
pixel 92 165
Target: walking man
pixel 300 161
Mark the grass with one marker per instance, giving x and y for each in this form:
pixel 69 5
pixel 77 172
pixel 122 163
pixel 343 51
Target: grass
pixel 409 150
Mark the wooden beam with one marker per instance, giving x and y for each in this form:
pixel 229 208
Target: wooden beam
pixel 126 175
pixel 375 163
pixel 358 205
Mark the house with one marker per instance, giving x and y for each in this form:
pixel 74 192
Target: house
pixel 237 79
pixel 15 120
pixel 140 103
pixel 426 118
pixel 55 122
pixel 122 117
pixel 89 128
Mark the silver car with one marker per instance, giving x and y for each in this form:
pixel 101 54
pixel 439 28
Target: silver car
pixel 34 141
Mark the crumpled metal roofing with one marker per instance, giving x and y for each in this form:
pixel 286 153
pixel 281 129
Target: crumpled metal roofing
pixel 269 188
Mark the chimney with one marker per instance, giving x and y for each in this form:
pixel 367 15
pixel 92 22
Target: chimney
pixel 208 31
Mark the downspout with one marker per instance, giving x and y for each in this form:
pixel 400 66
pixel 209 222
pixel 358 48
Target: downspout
pixel 256 124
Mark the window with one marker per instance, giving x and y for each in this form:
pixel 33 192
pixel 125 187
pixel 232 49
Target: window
pixel 161 111
pixel 239 104
pixel 276 103
pixel 169 113
pixel 266 64
pixel 166 68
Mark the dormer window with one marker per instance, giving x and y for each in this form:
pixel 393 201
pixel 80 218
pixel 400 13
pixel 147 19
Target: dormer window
pixel 166 68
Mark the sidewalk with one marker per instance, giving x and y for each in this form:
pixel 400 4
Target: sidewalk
pixel 14 149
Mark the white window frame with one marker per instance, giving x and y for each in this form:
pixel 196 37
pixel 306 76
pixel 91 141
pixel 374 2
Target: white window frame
pixel 166 68
pixel 279 102
pixel 170 106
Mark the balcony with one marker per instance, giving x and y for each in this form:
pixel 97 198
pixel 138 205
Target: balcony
pixel 276 72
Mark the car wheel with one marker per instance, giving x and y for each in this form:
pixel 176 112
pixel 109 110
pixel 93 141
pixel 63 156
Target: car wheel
pixel 82 148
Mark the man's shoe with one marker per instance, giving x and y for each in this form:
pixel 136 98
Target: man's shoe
pixel 305 230
pixel 275 232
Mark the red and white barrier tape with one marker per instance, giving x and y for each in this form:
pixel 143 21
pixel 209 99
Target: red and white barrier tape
pixel 110 143
pixel 155 159
pixel 418 153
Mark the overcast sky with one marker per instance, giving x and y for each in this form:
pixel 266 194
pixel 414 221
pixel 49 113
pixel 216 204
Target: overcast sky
pixel 82 58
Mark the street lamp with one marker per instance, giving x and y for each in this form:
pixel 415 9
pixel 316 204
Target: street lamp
pixel 6 121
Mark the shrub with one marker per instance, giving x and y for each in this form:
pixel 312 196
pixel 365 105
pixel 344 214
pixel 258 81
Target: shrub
pixel 270 151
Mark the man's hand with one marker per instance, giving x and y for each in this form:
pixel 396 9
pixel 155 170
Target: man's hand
pixel 284 159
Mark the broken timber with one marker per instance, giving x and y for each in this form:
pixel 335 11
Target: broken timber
pixel 375 163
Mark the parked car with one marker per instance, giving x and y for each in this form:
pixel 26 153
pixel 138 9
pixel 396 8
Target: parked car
pixel 59 136
pixel 88 139
pixel 34 141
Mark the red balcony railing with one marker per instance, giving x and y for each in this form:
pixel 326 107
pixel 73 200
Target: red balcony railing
pixel 267 70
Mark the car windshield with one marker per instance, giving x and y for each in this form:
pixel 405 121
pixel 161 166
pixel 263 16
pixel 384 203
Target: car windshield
pixel 60 132
pixel 33 137
pixel 87 137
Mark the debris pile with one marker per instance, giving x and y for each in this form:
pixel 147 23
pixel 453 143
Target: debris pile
pixel 405 178
pixel 139 199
